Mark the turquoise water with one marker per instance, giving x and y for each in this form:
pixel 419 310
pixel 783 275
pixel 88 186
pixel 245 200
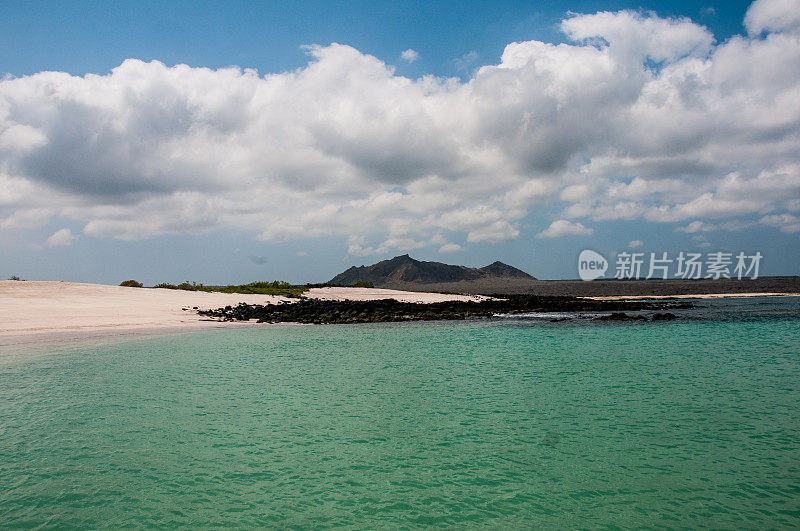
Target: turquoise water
pixel 501 423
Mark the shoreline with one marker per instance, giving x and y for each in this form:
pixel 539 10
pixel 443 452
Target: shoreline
pixel 40 338
pixel 36 313
pixel 50 312
pixel 11 344
pixel 318 311
pixel 690 296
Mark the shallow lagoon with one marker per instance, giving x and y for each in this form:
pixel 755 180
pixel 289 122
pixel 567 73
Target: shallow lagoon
pixel 507 422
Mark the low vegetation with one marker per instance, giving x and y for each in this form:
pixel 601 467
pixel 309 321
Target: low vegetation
pixel 254 288
pixel 363 284
pixel 264 288
pixel 131 284
pixel 184 286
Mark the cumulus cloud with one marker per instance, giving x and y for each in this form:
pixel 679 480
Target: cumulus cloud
pixel 26 218
pixel 773 15
pixel 450 248
pixel 635 117
pixel 409 56
pixel 62 237
pixel 785 222
pixel 563 227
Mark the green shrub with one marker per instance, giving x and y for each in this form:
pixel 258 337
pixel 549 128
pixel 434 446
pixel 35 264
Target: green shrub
pixel 131 284
pixel 363 284
pixel 264 288
pixel 254 288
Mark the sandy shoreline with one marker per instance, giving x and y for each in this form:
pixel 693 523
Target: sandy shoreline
pixel 44 311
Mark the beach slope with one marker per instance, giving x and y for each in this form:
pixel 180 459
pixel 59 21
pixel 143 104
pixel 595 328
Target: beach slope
pixel 44 307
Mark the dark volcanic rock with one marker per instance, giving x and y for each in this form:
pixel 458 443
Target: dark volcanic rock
pixel 386 310
pixel 666 316
pixel 404 269
pixel 621 316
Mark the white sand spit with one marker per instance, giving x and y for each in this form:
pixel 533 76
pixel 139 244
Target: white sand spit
pixel 374 294
pixel 37 307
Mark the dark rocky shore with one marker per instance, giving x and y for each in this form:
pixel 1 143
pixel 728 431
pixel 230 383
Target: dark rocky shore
pixel 314 311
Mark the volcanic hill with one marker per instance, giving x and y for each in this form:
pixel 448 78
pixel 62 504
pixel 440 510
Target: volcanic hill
pixel 404 270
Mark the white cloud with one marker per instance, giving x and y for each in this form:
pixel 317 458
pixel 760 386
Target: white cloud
pixel 21 138
pixel 635 36
pixel 450 248
pixel 563 227
pixel 409 56
pixel 638 117
pixel 702 226
pixel 697 226
pixel 467 60
pixel 62 237
pixel 29 218
pixel 785 222
pixel 773 15
pixel 635 243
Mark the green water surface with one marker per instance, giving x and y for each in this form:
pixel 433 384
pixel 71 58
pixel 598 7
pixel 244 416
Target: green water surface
pixel 498 423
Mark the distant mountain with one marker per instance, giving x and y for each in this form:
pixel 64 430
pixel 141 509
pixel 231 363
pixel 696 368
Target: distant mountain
pixel 404 270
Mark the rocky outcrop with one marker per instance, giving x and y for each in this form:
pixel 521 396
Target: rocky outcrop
pixel 404 269
pixel 317 311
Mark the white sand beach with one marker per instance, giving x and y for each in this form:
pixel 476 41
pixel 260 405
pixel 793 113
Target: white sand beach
pixel 45 308
pixel 374 294
pixel 45 311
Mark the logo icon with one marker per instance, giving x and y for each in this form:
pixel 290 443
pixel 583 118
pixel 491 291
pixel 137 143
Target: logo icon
pixel 591 265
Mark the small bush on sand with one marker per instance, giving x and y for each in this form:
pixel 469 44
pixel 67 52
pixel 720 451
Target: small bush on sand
pixel 14 277
pixel 185 286
pixel 261 288
pixel 254 288
pixel 363 284
pixel 131 284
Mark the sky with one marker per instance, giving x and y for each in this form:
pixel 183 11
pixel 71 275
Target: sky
pixel 240 141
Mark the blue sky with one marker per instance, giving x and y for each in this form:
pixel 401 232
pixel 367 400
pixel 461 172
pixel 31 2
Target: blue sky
pixel 81 37
pixel 307 182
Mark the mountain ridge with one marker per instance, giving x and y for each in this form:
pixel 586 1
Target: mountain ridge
pixel 404 269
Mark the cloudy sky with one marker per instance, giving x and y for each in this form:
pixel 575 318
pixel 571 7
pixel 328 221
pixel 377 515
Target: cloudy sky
pixel 231 142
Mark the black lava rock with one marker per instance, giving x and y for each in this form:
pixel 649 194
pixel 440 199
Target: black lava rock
pixel 386 310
